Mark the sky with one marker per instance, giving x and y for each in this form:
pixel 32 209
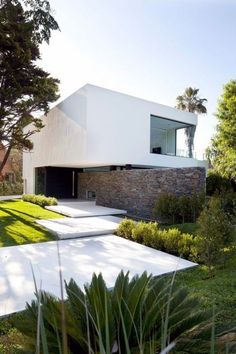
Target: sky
pixel 152 49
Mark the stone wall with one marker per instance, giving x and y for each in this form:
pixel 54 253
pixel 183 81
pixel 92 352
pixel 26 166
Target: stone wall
pixel 137 190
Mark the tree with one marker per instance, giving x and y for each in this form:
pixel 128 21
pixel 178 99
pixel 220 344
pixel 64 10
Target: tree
pixel 191 102
pixel 223 145
pixel 25 89
pixel 216 233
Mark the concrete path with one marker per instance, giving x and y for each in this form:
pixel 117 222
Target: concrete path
pixel 8 197
pixel 80 259
pixel 80 209
pixel 80 227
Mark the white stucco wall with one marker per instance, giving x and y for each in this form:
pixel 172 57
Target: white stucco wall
pixel 61 142
pixel 118 129
pixel 95 127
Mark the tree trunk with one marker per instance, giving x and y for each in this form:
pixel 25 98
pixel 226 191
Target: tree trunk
pixel 190 133
pixel 4 161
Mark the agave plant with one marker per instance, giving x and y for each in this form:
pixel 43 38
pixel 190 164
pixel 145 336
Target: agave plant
pixel 139 315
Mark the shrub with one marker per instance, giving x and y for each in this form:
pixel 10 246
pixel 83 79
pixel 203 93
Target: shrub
pixel 39 199
pixel 171 240
pixel 158 242
pixel 171 208
pixel 144 232
pixel 125 228
pixel 7 188
pixel 186 246
pixel 166 208
pixel 139 315
pixel 215 233
pixel 148 233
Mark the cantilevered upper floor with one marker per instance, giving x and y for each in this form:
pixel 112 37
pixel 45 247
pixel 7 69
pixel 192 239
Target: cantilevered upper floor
pixel 98 127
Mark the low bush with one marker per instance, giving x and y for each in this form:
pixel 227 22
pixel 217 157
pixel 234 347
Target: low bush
pixel 39 199
pixel 144 314
pixel 186 246
pixel 7 188
pixel 171 240
pixel 148 233
pixel 144 232
pixel 170 208
pixel 125 228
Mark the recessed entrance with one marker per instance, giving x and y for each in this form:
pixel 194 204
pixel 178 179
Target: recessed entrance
pixel 57 182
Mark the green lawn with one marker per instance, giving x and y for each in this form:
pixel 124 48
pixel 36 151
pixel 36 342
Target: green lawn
pixel 17 223
pixel 218 288
pixel 189 228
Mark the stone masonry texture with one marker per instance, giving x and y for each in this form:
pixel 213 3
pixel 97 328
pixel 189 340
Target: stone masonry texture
pixel 137 190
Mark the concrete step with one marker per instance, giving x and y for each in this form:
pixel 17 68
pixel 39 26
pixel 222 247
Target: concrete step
pixel 67 228
pixel 83 209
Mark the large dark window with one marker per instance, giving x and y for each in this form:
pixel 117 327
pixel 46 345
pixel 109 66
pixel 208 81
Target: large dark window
pixel 167 137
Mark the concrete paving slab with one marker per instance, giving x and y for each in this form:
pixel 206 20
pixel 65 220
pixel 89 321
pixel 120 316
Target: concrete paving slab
pixel 78 209
pixel 81 227
pixel 9 197
pixel 80 258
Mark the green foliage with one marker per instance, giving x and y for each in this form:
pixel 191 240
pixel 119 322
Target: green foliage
pixel 215 182
pixel 224 142
pixel 224 189
pixel 148 233
pixel 215 233
pixel 125 228
pixel 7 188
pixel 218 290
pixel 186 245
pixel 144 232
pixel 39 199
pixel 139 315
pixel 25 88
pixel 10 338
pixel 171 208
pixel 191 102
pixel 189 228
pixel 228 204
pixel 166 207
pixel 184 207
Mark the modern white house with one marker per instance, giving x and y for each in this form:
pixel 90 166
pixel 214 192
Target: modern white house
pixel 96 129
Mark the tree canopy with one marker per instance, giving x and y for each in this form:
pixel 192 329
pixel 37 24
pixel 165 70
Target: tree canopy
pixel 223 145
pixel 25 89
pixel 191 102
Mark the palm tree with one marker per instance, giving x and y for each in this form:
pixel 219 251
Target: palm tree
pixel 191 102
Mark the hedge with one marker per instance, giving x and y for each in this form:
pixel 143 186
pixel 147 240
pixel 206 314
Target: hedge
pixel 39 199
pixel 170 241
